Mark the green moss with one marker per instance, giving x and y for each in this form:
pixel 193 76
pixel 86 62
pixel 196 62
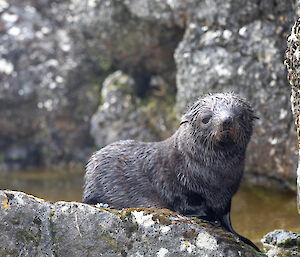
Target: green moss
pixel 258 254
pixel 162 218
pixel 198 221
pixel 9 253
pixel 287 243
pixel 190 234
pixel 55 240
pixel 130 228
pixel 111 242
pixel 28 237
pixel 104 63
pixel 15 221
pixel 165 113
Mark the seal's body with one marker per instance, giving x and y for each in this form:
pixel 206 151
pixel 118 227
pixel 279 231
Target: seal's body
pixel 195 172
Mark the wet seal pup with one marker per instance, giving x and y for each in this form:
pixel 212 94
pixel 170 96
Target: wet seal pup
pixel 195 172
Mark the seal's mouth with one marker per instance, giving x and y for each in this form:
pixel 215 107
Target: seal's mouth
pixel 226 142
pixel 225 137
pixel 225 134
pixel 225 131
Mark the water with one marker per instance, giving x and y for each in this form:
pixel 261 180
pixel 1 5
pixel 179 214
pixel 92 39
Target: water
pixel 255 211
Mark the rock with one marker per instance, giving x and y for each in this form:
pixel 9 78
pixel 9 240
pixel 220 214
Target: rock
pixel 46 94
pixel 281 243
pixel 243 53
pixel 168 13
pixel 292 64
pixel 55 56
pixel 123 115
pixel 132 36
pixel 32 227
pixel 119 117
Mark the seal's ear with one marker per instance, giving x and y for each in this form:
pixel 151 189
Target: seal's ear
pixel 185 118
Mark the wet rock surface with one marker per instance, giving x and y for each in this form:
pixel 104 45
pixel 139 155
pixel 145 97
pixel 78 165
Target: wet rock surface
pixel 282 243
pixel 55 56
pixel 32 227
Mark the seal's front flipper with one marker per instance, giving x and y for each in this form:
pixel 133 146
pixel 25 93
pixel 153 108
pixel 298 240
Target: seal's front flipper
pixel 226 223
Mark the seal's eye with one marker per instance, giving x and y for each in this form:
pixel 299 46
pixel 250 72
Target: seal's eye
pixel 206 119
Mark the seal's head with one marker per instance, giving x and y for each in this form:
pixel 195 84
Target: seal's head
pixel 220 121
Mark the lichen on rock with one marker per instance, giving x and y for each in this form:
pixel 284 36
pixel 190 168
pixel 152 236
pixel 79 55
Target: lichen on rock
pixel 292 63
pixel 31 227
pixel 282 243
pixel 122 114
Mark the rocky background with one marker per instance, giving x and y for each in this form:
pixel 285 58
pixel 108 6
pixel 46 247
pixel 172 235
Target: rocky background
pixel 77 75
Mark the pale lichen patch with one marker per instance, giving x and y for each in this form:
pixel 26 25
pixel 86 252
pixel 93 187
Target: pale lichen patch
pixel 274 252
pixel 143 220
pixel 65 208
pixel 205 240
pixel 165 229
pixel 162 252
pixel 186 246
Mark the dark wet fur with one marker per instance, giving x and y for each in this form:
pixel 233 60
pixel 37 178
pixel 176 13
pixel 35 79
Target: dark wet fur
pixel 195 172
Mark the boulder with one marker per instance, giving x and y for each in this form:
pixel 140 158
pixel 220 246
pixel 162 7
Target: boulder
pixel 47 92
pixel 138 37
pixel 282 243
pixel 32 227
pixel 124 115
pixel 54 58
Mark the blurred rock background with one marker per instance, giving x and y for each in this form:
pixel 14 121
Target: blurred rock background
pixel 77 75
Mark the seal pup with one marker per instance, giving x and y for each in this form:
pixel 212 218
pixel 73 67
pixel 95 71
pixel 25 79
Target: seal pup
pixel 195 172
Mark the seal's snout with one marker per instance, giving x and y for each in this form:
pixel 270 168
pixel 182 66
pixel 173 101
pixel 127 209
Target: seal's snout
pixel 227 122
pixel 226 129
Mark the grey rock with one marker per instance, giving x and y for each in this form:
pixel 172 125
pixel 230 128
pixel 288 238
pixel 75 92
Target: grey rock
pixel 243 53
pixel 24 232
pixel 131 36
pixel 281 243
pixel 31 227
pixel 119 116
pixel 162 12
pixel 54 58
pixel 292 64
pixel 41 84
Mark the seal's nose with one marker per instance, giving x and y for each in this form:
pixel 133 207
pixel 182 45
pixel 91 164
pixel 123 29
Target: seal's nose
pixel 227 121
